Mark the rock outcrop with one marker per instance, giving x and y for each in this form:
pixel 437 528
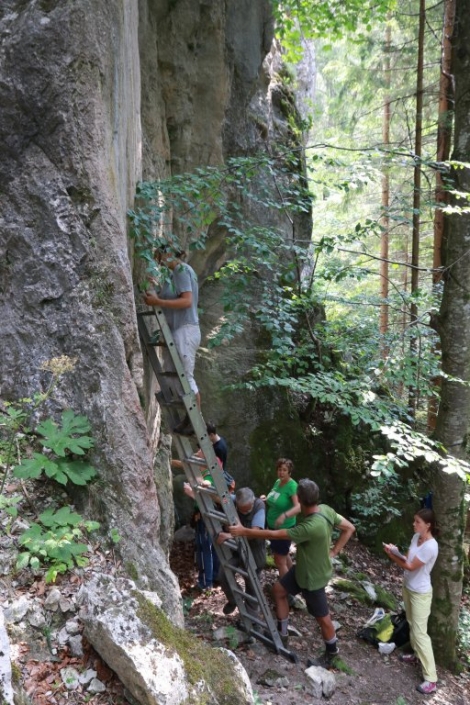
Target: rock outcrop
pixel 159 664
pixel 94 96
pixel 71 156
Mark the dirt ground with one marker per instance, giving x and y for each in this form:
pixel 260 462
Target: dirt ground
pixel 372 679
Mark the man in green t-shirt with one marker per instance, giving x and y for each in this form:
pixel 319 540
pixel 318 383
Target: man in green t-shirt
pixel 313 568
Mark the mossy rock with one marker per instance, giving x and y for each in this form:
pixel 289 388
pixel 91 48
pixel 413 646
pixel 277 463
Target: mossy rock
pixel 356 589
pixel 386 599
pixel 202 663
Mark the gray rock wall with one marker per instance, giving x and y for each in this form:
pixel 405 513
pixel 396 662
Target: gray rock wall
pixel 94 96
pixel 71 157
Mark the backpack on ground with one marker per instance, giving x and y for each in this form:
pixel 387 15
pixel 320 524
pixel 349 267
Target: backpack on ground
pixel 401 629
pixel 392 628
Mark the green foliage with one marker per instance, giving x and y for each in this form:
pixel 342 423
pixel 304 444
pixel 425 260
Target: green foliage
pixel 342 666
pixel 408 446
pixel 233 637
pixel 12 438
pixel 115 536
pixel 62 438
pixel 9 505
pixel 337 362
pixel 298 20
pixel 391 489
pixel 259 258
pixel 15 432
pixel 55 542
pixel 383 499
pixel 69 437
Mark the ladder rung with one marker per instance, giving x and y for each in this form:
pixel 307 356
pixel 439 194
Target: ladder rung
pixel 176 404
pixel 192 460
pixel 207 489
pixel 171 402
pixel 246 596
pixel 214 514
pixel 230 543
pixel 236 569
pixel 256 620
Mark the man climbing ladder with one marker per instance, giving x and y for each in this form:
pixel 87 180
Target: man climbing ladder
pixel 179 300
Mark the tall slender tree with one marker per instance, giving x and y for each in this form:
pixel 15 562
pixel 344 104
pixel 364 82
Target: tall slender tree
pixel 444 135
pixel 384 239
pixel 453 326
pixel 416 217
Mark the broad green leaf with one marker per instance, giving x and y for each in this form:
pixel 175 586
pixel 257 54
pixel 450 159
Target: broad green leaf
pixel 61 438
pixel 22 560
pixel 31 468
pixel 62 517
pixel 78 472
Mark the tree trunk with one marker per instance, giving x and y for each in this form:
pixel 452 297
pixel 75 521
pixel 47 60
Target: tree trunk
pixel 444 135
pixel 417 193
pixel 454 330
pixel 384 240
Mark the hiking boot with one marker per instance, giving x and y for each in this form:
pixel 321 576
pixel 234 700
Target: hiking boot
pixel 408 658
pixel 229 607
pixel 426 688
pixel 326 660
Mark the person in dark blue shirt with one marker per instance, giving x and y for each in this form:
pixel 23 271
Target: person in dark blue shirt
pixel 220 449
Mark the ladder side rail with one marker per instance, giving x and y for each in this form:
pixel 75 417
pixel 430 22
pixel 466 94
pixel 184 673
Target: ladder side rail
pixel 149 348
pixel 169 393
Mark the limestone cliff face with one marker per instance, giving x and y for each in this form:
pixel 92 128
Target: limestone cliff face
pixel 94 96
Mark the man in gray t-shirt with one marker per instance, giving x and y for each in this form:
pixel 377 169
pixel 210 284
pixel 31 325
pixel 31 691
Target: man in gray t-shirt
pixel 183 279
pixel 179 300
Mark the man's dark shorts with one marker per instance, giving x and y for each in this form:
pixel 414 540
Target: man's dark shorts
pixel 317 603
pixel 280 546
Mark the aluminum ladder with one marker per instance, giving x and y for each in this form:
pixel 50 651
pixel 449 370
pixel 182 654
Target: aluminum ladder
pixel 215 503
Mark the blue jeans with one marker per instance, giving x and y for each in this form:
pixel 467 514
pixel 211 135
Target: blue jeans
pixel 206 557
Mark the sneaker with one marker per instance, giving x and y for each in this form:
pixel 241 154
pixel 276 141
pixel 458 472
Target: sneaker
pixel 326 660
pixel 229 607
pixel 426 688
pixel 408 658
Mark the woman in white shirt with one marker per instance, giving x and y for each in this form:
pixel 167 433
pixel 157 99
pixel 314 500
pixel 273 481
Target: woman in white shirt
pixel 417 592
